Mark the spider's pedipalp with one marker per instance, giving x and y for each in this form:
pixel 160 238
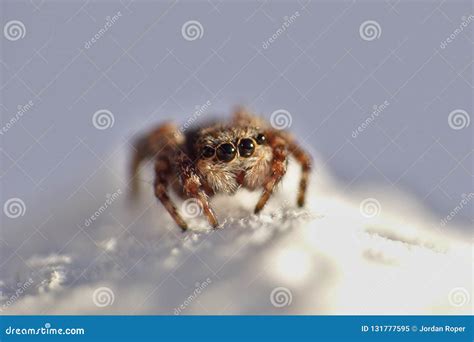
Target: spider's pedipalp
pixel 192 185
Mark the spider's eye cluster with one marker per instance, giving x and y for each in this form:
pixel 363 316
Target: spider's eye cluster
pixel 226 152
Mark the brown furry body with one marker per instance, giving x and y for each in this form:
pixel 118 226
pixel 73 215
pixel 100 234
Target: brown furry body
pixel 180 162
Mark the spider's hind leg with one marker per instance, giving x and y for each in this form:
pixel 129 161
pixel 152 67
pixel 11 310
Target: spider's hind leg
pixel 163 174
pixel 150 145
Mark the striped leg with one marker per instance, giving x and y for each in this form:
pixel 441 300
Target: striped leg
pixel 305 160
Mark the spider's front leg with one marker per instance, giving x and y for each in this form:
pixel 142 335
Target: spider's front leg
pixel 192 186
pixel 278 168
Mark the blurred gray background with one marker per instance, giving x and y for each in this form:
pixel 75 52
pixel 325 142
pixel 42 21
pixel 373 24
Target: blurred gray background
pixel 322 70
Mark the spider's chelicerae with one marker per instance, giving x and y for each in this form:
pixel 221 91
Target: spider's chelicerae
pixel 219 158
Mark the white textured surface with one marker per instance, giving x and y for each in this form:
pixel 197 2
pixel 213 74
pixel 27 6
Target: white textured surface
pixel 332 259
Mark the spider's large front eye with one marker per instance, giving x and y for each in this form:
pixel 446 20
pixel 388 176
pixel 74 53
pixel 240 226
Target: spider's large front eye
pixel 246 147
pixel 226 152
pixel 208 152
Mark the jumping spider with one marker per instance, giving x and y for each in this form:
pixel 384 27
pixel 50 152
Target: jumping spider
pixel 219 158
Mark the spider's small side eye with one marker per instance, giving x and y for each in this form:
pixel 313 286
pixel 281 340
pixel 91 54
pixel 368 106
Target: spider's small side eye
pixel 261 139
pixel 226 152
pixel 208 152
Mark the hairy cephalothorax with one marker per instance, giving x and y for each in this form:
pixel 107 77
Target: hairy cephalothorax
pixel 219 158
